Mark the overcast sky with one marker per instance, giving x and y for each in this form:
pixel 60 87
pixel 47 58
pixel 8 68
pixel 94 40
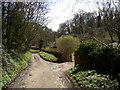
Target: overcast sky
pixel 62 10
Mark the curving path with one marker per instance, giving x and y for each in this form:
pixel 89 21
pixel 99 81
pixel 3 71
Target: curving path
pixel 43 74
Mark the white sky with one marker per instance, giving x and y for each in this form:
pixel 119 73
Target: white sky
pixel 63 10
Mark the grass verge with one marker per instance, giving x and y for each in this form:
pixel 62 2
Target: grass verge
pixel 11 67
pixel 47 56
pixel 34 51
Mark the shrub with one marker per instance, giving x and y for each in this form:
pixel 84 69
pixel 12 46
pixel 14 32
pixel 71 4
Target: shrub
pixel 85 48
pixel 90 79
pixel 66 45
pixel 47 56
pixel 102 57
pixel 82 54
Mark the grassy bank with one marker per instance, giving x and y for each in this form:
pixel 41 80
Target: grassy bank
pixel 11 67
pixel 47 56
pixel 34 51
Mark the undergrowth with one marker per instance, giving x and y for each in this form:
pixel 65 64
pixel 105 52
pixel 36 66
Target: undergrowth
pixel 91 79
pixel 11 67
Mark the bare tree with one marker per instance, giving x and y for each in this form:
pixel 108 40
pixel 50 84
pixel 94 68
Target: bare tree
pixel 111 17
pixel 19 24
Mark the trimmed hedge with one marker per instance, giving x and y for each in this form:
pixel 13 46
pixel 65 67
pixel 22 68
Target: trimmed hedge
pixel 92 55
pixel 11 67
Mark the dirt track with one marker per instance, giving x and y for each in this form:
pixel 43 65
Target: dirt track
pixel 43 74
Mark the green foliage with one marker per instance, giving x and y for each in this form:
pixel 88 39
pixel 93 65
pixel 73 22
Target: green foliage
pixel 20 27
pixel 11 67
pixel 99 56
pixel 54 52
pixel 85 48
pixel 67 44
pixel 47 56
pixel 26 56
pixel 34 51
pixel 92 80
pixel 103 51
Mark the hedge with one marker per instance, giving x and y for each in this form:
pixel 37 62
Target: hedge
pixel 92 55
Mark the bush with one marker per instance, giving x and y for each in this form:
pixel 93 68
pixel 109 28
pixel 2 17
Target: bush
pixel 47 56
pixel 85 48
pixel 11 67
pixel 92 55
pixel 82 54
pixel 66 45
pixel 90 79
